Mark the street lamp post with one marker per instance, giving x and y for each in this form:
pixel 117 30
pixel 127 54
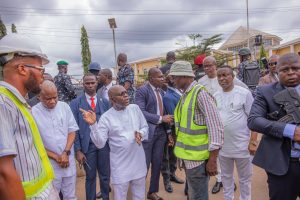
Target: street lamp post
pixel 113 25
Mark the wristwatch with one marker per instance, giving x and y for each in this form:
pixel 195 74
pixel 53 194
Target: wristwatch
pixel 68 152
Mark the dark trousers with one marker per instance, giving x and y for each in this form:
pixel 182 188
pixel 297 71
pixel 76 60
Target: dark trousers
pixel 286 186
pixel 98 161
pixel 169 162
pixel 154 149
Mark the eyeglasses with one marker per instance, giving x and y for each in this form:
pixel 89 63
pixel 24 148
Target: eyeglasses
pixel 207 66
pixel 124 93
pixel 272 63
pixel 41 68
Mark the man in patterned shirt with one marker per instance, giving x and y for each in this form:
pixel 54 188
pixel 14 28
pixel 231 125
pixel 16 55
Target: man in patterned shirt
pixel 65 88
pixel 199 130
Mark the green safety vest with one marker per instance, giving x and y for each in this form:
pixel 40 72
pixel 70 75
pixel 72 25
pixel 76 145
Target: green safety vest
pixel 192 139
pixel 33 187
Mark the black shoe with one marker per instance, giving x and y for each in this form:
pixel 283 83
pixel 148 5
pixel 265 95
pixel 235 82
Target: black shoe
pixel 99 195
pixel 217 188
pixel 168 187
pixel 175 179
pixel 109 189
pixel 234 187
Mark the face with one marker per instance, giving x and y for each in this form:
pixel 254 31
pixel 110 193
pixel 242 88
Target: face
pixel 225 78
pixel 210 68
pixel 90 85
pixel 180 82
pixel 122 61
pixel 120 99
pixel 289 73
pixel 157 79
pixel 272 64
pixel 34 76
pixel 102 77
pixel 49 98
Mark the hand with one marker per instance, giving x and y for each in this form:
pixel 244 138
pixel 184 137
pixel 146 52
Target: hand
pixel 252 147
pixel 80 157
pixel 57 158
pixel 167 119
pixel 138 137
pixel 297 135
pixel 64 160
pixel 88 116
pixel 170 140
pixel 211 166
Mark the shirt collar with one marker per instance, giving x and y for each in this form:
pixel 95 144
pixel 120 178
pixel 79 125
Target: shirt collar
pixel 175 90
pixel 88 96
pixel 109 85
pixel 153 88
pixel 14 91
pixel 190 86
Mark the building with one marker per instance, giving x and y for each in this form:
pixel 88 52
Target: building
pixel 292 46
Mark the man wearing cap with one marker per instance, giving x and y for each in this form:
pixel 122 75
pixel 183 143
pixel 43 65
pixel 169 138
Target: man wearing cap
pixel 95 69
pixel 65 88
pixel 170 60
pixel 199 130
pixel 25 170
pixel 198 67
pixel 248 70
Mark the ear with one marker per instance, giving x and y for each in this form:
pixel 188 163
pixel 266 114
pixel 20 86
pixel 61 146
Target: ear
pixel 21 69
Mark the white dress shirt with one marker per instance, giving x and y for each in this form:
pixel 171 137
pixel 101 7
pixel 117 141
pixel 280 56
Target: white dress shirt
pixel 104 91
pixel 127 158
pixel 54 126
pixel 88 98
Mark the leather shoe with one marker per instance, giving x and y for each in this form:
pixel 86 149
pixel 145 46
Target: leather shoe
pixel 99 195
pixel 217 188
pixel 168 187
pixel 175 179
pixel 154 196
pixel 234 187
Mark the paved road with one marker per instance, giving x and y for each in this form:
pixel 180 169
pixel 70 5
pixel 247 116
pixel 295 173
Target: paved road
pixel 259 188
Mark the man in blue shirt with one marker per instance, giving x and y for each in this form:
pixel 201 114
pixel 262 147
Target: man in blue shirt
pixel 279 149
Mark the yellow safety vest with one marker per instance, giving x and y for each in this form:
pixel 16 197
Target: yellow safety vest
pixel 33 187
pixel 192 139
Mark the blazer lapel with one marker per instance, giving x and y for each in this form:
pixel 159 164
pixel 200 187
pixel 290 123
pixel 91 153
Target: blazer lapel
pixel 153 96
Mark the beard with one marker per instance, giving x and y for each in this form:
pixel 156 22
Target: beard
pixel 32 84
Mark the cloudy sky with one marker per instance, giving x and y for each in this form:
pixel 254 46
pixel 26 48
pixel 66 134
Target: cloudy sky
pixel 145 28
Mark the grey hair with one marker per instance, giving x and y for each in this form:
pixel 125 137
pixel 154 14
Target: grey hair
pixel 210 58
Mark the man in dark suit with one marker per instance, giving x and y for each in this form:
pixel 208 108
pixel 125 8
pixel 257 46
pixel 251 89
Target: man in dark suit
pixel 149 99
pixel 278 152
pixel 169 163
pixel 87 154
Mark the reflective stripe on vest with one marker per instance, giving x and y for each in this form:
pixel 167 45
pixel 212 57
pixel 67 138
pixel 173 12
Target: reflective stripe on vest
pixel 39 184
pixel 192 139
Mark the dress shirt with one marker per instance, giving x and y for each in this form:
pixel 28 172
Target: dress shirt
pixel 88 98
pixel 157 106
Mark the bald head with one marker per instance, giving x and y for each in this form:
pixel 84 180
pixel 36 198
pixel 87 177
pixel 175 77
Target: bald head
pixel 48 86
pixel 114 90
pixel 106 72
pixel 288 58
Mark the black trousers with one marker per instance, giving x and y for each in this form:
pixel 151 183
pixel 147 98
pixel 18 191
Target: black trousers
pixel 285 187
pixel 169 163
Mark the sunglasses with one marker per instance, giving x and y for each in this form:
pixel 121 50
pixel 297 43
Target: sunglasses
pixel 272 63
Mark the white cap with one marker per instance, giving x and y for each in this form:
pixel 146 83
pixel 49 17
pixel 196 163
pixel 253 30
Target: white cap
pixel 22 45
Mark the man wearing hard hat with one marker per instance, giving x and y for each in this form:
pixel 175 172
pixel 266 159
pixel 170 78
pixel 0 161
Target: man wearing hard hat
pixel 25 170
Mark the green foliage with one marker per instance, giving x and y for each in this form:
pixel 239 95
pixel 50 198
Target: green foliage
pixel 262 54
pixel 2 29
pixel 13 28
pixel 85 49
pixel 203 46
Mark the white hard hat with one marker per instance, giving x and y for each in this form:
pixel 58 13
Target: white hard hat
pixel 22 45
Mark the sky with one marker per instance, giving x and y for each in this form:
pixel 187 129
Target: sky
pixel 144 28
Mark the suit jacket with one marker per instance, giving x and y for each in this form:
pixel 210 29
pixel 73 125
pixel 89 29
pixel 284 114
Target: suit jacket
pixel 146 100
pixel 170 100
pixel 82 139
pixel 274 151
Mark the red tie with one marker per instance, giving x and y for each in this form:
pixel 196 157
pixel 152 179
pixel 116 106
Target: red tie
pixel 93 105
pixel 160 105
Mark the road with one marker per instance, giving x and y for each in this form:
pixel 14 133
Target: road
pixel 259 187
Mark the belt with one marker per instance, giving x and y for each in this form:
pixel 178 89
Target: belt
pixel 295 159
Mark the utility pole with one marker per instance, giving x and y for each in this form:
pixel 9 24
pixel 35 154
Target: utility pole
pixel 113 25
pixel 248 23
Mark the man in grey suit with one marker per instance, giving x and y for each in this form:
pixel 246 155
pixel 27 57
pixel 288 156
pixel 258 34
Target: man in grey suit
pixel 87 154
pixel 149 99
pixel 279 149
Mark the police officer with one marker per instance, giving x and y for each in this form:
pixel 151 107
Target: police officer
pixel 65 88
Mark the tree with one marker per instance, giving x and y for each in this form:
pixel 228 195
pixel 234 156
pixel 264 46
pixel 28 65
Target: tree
pixel 85 49
pixel 13 28
pixel 2 29
pixel 262 54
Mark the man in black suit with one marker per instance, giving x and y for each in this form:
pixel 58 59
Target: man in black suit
pixel 278 152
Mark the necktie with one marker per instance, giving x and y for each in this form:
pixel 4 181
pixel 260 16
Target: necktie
pixel 93 105
pixel 160 104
